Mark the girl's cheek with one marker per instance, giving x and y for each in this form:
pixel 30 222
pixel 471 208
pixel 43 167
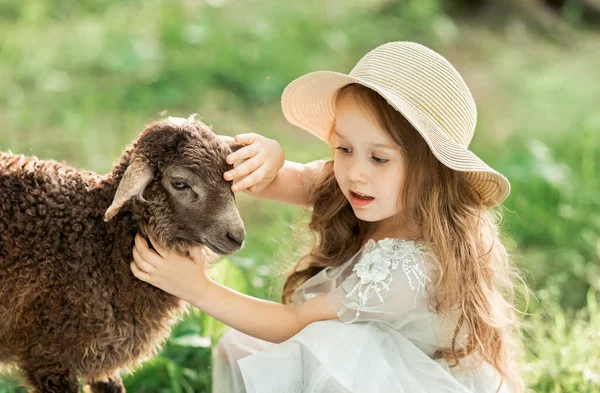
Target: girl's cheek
pixel 337 170
pixel 339 178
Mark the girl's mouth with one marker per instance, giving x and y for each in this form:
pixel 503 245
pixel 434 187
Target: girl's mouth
pixel 358 199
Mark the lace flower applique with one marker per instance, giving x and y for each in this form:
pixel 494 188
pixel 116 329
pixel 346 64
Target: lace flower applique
pixel 376 263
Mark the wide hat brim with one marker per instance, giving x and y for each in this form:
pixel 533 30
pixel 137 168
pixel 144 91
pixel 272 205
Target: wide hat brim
pixel 308 102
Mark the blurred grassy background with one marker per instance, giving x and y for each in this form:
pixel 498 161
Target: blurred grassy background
pixel 80 79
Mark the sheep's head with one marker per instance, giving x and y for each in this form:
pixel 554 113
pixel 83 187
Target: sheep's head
pixel 175 182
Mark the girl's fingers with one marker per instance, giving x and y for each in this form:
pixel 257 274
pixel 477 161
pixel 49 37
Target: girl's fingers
pixel 244 169
pixel 250 180
pixel 244 153
pixel 139 274
pixel 163 252
pixel 140 263
pixel 142 247
pixel 246 139
pixel 236 187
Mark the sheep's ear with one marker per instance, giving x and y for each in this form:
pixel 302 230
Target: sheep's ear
pixel 135 179
pixel 233 145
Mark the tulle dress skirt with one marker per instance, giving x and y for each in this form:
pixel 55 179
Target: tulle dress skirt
pixel 333 357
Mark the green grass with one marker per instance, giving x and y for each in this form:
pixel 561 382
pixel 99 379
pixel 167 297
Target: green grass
pixel 79 80
pixel 562 349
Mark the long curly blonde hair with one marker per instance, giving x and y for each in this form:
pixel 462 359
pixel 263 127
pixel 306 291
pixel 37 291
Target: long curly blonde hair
pixel 473 276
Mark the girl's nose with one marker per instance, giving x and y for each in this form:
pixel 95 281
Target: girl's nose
pixel 356 172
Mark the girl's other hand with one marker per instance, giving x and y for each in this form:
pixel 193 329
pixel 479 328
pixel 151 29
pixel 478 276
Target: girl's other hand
pixel 184 277
pixel 263 159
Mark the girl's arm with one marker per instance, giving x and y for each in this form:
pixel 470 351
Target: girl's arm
pixel 269 321
pixel 186 278
pixel 292 183
pixel 260 169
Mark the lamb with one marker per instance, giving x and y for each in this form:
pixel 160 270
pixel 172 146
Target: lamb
pixel 69 305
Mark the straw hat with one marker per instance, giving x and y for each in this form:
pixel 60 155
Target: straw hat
pixel 424 87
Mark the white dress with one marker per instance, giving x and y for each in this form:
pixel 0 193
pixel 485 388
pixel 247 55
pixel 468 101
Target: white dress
pixel 383 341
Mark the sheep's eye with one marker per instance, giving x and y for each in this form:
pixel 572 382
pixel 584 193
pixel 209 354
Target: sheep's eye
pixel 179 184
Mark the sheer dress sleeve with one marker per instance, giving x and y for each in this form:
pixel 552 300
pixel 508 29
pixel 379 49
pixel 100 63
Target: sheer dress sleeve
pixel 387 282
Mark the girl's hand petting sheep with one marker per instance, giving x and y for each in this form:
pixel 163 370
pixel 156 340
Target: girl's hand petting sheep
pixel 184 277
pixel 263 159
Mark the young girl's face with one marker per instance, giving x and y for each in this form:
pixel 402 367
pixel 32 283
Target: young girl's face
pixel 368 166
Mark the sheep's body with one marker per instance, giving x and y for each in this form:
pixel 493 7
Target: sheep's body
pixel 69 305
pixel 106 314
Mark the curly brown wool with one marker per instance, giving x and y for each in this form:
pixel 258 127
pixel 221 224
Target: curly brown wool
pixel 69 305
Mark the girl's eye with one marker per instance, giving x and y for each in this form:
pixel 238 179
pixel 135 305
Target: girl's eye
pixel 179 184
pixel 379 160
pixel 344 149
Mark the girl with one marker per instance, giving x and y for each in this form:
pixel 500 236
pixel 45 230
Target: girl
pixel 408 287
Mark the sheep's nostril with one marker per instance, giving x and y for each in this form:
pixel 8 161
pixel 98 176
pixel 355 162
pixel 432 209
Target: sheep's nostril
pixel 239 240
